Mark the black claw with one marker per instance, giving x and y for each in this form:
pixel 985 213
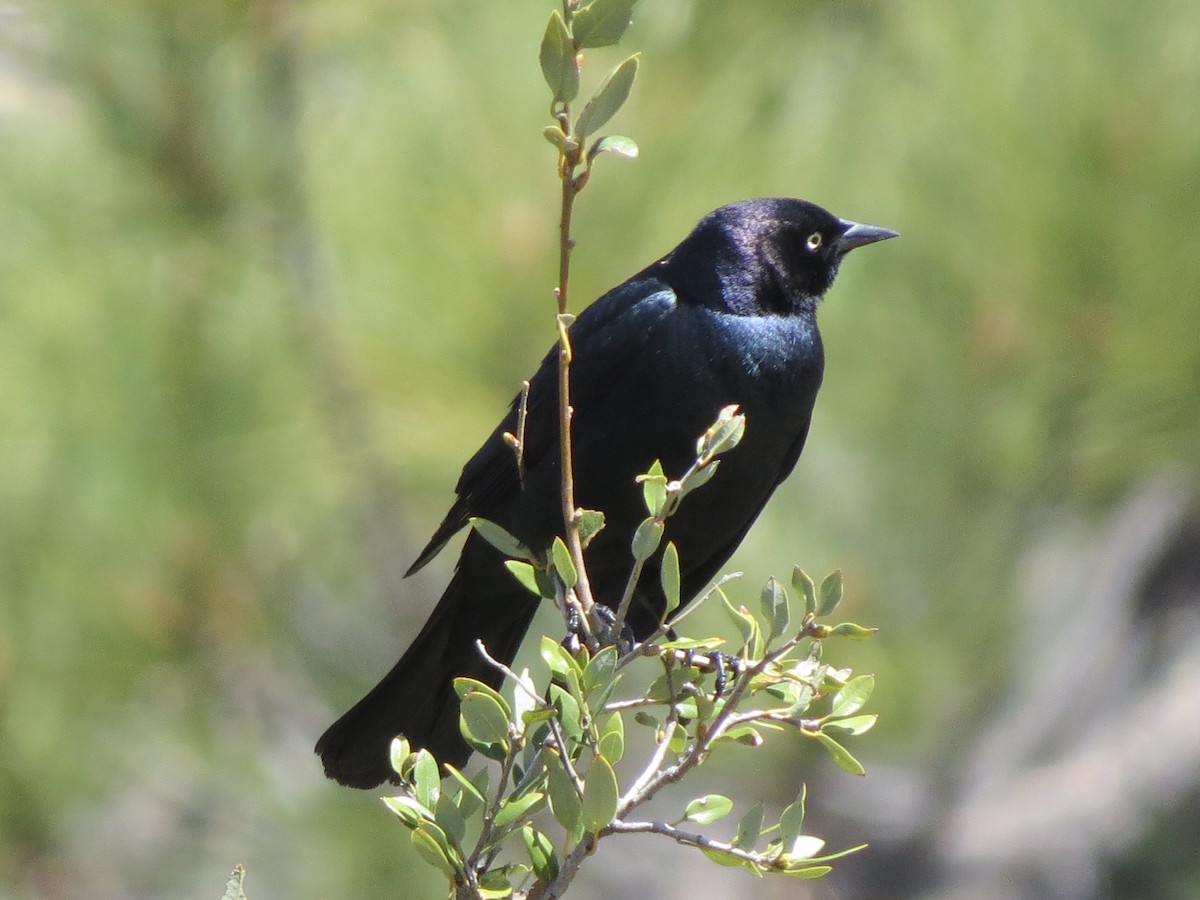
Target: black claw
pixel 719 663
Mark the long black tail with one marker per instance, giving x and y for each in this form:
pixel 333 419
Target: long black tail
pixel 416 698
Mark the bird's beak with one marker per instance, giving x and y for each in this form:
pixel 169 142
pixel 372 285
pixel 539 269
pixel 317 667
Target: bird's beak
pixel 856 234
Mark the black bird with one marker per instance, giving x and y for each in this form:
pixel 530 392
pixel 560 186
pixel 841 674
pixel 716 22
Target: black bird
pixel 728 316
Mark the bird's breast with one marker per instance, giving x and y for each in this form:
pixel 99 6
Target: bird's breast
pixel 776 359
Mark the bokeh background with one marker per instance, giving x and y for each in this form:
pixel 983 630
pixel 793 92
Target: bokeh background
pixel 270 270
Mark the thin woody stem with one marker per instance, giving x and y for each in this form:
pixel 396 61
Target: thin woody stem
pixel 568 162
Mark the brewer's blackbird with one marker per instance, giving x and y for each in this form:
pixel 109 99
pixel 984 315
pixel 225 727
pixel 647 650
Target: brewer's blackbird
pixel 727 317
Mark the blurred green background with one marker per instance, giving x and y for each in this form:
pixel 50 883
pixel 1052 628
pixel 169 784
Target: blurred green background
pixel 270 270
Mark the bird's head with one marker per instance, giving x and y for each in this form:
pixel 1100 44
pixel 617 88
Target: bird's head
pixel 765 257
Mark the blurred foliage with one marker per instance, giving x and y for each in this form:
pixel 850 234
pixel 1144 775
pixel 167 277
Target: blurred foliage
pixel 270 270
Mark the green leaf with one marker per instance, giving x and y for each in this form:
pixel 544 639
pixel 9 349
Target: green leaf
pixel 618 145
pixel 399 754
pixel 547 586
pixel 828 857
pixel 560 67
pixel 612 739
pixel 808 871
pixel 602 23
pixel 646 539
pixel 426 781
pixel 481 780
pixel 539 714
pixel 541 854
pixel 484 721
pixel 499 538
pixel 600 795
pixel 791 820
pixel 745 735
pixel 525 574
pixel 744 622
pixel 803 847
pixel 558 659
pixel 430 850
pixel 698 478
pixel 854 725
pixel 708 809
pixel 591 523
pixel 471 798
pixel 749 829
pixel 494 885
pixel 654 482
pixel 598 697
pixel 830 594
pixel 644 718
pixel 464 686
pixel 722 857
pixel 451 818
pixel 679 739
pixel 609 97
pixel 554 134
pixel 853 696
pixel 408 810
pixel 513 810
pixel 803 699
pixel 840 754
pixel 803 585
pixel 722 436
pixel 562 563
pixel 668 574
pixel 775 607
pixel 850 630
pixel 564 800
pixel 600 669
pixel 569 715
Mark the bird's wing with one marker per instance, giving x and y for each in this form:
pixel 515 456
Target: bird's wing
pixel 605 340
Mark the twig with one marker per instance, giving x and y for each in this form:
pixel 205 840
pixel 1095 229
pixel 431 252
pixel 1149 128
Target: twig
pixel 631 798
pixel 689 838
pixel 509 673
pixel 517 441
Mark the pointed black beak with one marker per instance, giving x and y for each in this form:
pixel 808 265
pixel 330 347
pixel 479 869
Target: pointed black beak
pixel 856 234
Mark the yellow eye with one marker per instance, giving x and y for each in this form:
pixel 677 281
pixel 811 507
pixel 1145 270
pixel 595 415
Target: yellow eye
pixel 814 241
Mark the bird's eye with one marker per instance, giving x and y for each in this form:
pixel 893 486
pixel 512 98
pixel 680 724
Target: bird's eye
pixel 814 241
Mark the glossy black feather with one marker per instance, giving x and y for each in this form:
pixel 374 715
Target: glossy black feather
pixel 729 316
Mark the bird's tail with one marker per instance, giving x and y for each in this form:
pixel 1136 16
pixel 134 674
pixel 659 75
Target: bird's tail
pixel 416 698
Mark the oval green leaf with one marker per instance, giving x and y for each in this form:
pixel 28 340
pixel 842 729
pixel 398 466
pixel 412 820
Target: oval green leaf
pixel 840 754
pixel 646 539
pixel 804 586
pixel 562 563
pixel 830 594
pixel 483 719
pixel 600 795
pixel 708 809
pixel 431 850
pixel 499 538
pixel 513 810
pixel 525 574
pixel 602 22
pixel 775 607
pixel 668 574
pixel 557 56
pixel 609 97
pixel 564 799
pixel 853 696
